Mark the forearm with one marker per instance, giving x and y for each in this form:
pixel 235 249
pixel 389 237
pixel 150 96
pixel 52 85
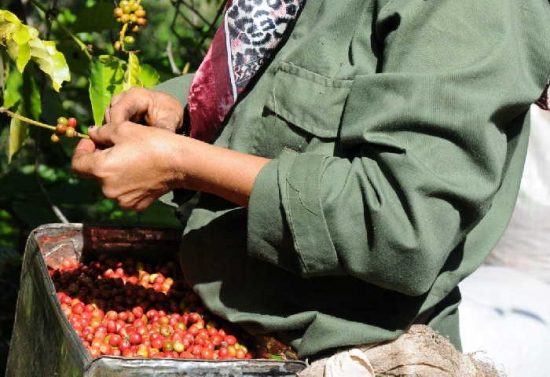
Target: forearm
pixel 215 170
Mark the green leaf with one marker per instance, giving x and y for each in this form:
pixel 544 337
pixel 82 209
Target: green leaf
pixel 32 106
pixel 22 54
pixel 9 24
pixel 17 36
pixel 50 61
pixel 18 134
pixel 131 76
pixel 148 76
pixel 12 90
pixel 23 44
pixel 9 17
pixel 23 35
pixel 106 78
pixel 21 90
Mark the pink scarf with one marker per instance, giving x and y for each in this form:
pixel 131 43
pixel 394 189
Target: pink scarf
pixel 247 39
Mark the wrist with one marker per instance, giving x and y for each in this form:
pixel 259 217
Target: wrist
pixel 223 172
pixel 179 163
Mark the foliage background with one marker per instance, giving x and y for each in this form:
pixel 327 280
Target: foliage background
pixel 38 182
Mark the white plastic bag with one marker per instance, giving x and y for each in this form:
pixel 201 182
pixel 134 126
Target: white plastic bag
pixel 525 244
pixel 505 316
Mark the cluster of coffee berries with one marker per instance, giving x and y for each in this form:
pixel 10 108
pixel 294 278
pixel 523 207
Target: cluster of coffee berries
pixel 133 309
pixel 131 12
pixel 65 127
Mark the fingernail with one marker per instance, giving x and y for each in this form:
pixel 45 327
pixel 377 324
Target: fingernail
pixel 91 128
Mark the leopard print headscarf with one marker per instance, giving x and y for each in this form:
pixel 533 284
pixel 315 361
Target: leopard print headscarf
pixel 248 38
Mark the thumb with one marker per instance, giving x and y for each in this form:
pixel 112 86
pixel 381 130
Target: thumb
pixel 83 158
pixel 103 135
pixel 85 146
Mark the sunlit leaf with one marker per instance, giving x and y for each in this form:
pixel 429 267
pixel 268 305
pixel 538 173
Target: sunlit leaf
pixel 50 61
pixel 148 76
pixel 23 35
pixel 9 17
pixel 131 76
pixel 20 53
pixel 23 44
pixel 106 78
pixel 16 37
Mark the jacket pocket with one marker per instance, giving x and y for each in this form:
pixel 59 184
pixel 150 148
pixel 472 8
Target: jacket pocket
pixel 303 111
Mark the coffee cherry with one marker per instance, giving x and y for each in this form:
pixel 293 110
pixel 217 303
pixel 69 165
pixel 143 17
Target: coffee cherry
pixel 135 338
pixel 129 39
pixel 117 45
pixel 141 21
pixel 62 120
pixel 54 138
pixel 178 347
pixel 115 340
pixel 60 129
pixel 230 340
pixel 72 122
pixel 118 12
pixel 140 13
pixel 70 132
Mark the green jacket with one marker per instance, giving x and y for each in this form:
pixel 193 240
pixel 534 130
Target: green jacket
pixel 398 132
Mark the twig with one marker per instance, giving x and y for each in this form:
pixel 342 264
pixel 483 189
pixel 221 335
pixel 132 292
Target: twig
pixel 50 16
pixel 55 209
pixel 2 73
pixel 175 69
pixel 121 36
pixel 77 40
pixel 34 122
pixel 196 12
pixel 176 4
pixel 214 21
pixel 186 68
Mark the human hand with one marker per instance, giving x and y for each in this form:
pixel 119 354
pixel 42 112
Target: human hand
pixel 139 164
pixel 136 167
pixel 155 109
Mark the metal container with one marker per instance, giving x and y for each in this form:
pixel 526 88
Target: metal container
pixel 43 342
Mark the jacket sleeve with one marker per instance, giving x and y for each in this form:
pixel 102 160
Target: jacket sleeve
pixel 177 87
pixel 424 145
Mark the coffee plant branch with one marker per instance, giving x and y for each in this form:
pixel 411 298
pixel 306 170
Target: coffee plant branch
pixel 34 122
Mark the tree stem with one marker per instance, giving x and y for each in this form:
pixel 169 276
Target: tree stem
pixel 34 122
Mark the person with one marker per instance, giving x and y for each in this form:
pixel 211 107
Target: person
pixel 348 176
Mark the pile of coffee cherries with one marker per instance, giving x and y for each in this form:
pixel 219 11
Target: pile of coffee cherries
pixel 66 127
pixel 133 309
